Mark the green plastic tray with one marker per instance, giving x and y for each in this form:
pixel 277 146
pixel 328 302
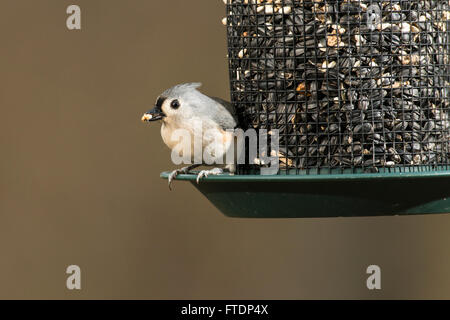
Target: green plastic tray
pixel 333 195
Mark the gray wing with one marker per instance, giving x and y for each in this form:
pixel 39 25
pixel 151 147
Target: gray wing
pixel 229 108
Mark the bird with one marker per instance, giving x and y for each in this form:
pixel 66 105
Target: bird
pixel 183 108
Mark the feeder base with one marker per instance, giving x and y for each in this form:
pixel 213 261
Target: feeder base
pixel 320 196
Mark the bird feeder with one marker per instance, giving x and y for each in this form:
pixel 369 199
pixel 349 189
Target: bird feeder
pixel 359 92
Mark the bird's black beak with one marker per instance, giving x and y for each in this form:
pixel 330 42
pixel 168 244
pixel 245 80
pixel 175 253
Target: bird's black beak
pixel 153 115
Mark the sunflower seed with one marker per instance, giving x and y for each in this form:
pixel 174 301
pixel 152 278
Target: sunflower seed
pixel 344 89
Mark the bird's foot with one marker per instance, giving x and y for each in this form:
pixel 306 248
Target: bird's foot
pixel 175 173
pixel 206 173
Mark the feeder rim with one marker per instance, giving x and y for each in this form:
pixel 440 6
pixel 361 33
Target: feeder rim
pixel 316 177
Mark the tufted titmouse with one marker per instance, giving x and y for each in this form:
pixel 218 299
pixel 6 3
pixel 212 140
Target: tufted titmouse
pixel 185 110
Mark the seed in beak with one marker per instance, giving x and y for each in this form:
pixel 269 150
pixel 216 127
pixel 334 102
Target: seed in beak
pixel 146 117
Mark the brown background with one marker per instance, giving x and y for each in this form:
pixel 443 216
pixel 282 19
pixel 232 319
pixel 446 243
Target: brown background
pixel 80 175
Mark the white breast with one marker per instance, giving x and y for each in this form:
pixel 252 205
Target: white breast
pixel 214 141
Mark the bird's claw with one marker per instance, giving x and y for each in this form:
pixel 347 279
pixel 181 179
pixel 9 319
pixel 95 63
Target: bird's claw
pixel 174 174
pixel 206 173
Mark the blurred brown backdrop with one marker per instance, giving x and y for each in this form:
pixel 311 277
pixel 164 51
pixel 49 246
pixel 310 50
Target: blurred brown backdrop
pixel 80 175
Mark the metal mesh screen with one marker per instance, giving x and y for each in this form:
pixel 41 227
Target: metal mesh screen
pixel 352 86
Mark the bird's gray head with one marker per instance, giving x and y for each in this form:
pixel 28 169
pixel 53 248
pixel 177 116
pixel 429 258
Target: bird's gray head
pixel 180 103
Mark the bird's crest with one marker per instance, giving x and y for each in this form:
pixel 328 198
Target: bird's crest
pixel 181 88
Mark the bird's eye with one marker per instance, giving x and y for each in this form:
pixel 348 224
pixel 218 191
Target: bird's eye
pixel 175 104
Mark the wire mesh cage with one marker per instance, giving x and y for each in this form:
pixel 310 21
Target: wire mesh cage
pixel 352 86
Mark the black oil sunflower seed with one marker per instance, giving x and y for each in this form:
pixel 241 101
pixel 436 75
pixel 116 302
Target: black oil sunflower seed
pixel 357 84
